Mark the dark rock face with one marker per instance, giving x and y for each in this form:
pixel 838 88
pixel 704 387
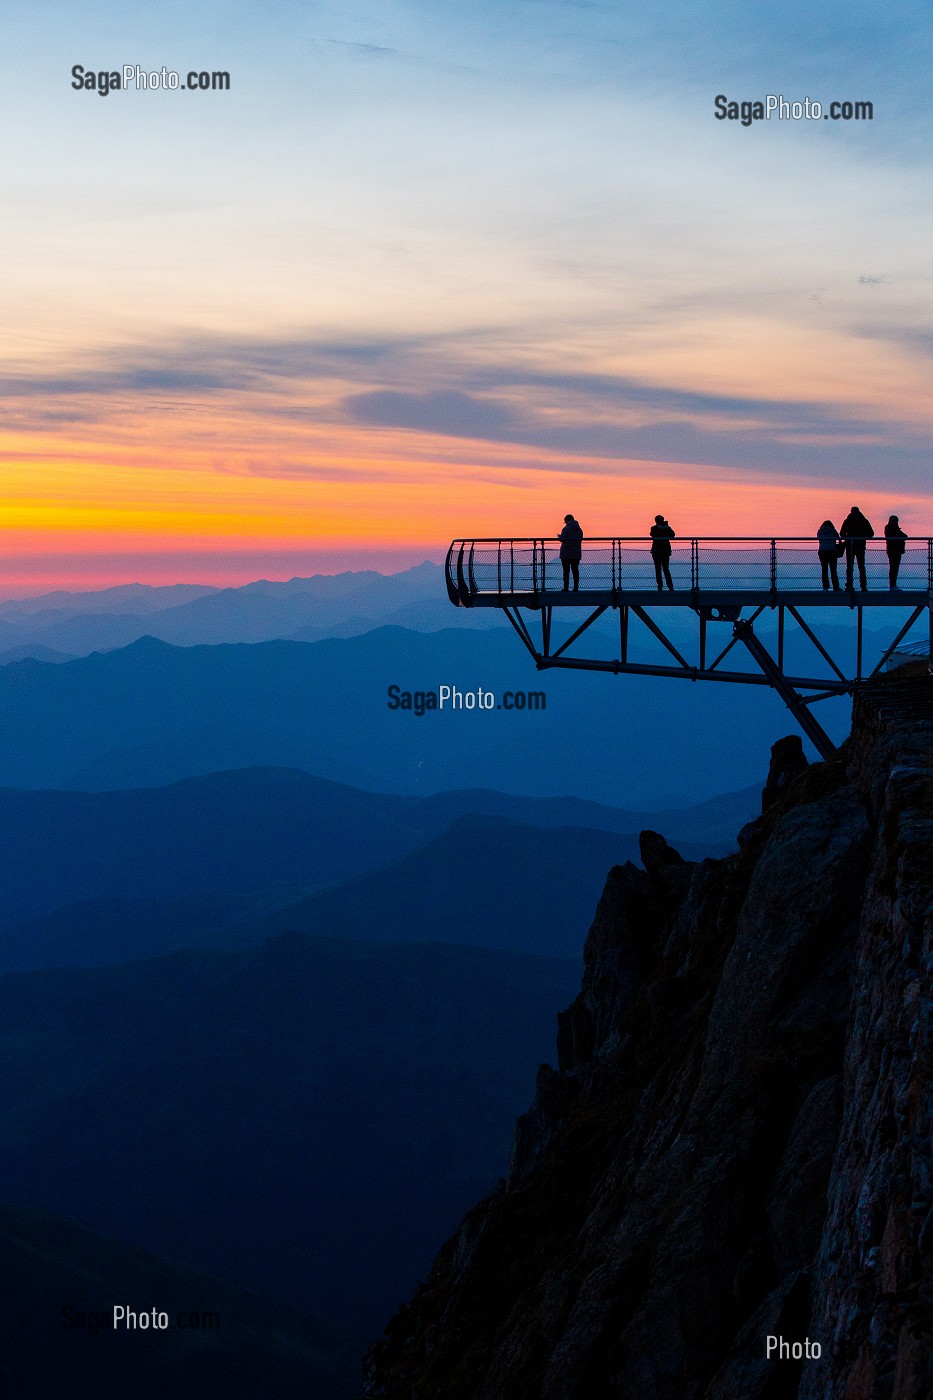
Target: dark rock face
pixel 787 760
pixel 736 1143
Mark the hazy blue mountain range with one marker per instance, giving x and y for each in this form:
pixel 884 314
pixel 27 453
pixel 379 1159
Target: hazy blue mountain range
pixel 483 882
pixel 713 821
pixel 58 1273
pixel 113 928
pixel 34 651
pixel 305 608
pixel 227 833
pixel 121 598
pixel 229 859
pixel 151 713
pixel 532 887
pixel 309 1118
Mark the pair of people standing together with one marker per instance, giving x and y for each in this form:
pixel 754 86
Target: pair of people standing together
pixel 850 540
pixel 571 549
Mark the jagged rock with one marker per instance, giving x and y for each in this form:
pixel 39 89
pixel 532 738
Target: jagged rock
pixel 656 853
pixel 737 1140
pixel 788 760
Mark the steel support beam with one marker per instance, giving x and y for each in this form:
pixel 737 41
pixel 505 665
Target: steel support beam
pixel 518 622
pixel 681 673
pixel 581 629
pixel 768 670
pixel 804 717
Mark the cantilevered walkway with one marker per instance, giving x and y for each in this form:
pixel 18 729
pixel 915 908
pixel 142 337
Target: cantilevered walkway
pixel 716 581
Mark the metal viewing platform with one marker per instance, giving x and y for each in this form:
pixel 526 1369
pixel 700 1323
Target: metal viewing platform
pixel 717 580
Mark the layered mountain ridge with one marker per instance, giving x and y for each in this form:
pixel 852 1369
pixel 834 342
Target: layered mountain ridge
pixel 735 1146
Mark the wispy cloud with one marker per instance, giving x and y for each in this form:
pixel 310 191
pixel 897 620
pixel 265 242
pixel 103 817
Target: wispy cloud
pixel 471 388
pixel 916 340
pixel 367 50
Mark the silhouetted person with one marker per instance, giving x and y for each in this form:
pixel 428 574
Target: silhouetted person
pixel 571 548
pixel 895 544
pixel 856 530
pixel 828 543
pixel 661 536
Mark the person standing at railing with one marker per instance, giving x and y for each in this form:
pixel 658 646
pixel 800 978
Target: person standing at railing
pixel 828 543
pixel 571 549
pixel 661 536
pixel 895 544
pixel 856 532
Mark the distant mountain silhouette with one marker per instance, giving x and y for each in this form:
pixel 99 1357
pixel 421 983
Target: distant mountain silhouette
pixel 227 833
pixel 701 825
pixel 221 862
pixel 186 615
pixel 139 598
pixel 95 932
pixel 310 1118
pixel 303 609
pixel 151 713
pixel 485 882
pixel 58 1272
pixel 33 651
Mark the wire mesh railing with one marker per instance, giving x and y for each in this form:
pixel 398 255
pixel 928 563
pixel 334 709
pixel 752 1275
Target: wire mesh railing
pixel 701 564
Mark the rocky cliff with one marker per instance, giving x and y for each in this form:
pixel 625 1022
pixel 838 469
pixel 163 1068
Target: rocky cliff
pixel 736 1143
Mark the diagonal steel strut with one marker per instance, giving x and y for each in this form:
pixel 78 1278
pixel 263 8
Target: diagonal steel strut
pixel 802 714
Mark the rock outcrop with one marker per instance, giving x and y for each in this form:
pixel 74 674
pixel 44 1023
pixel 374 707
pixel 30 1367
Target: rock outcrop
pixel 736 1142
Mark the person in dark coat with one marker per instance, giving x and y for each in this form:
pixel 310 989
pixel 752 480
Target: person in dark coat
pixel 661 536
pixel 828 545
pixel 895 544
pixel 571 548
pixel 855 532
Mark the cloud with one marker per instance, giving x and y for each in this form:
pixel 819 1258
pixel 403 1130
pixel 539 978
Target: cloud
pixel 625 394
pixel 916 340
pixel 202 365
pixel 845 446
pixel 368 50
pixel 473 387
pixel 450 412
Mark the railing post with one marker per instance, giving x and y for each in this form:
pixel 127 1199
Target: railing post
pixel 462 589
pixel 694 565
pixel 929 601
pixel 774 566
pixel 543 567
pixel 498 566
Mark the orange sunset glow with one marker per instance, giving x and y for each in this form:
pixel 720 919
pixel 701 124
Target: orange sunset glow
pixel 371 495
pixel 383 295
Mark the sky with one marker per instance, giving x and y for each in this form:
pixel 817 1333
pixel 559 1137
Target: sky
pixel 428 271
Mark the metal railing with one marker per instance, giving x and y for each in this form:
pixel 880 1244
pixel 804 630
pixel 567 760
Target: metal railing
pixel 482 567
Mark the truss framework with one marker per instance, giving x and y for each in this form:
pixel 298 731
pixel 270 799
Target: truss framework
pixel 798 692
pixel 715 581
